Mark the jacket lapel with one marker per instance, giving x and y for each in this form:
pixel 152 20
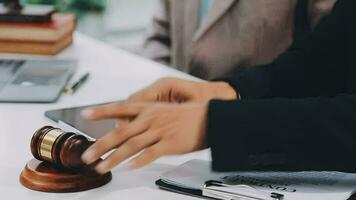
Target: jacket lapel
pixel 218 10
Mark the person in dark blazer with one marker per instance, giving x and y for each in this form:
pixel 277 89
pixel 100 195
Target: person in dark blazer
pixel 297 113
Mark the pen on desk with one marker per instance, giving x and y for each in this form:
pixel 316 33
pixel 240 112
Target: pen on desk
pixel 72 89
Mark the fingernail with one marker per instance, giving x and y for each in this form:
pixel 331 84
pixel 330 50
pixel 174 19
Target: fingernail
pixel 102 167
pixel 88 156
pixel 87 113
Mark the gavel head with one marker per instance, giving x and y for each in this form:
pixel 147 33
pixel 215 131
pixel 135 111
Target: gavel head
pixel 63 149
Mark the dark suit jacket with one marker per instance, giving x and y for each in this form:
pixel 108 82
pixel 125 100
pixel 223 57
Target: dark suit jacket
pixel 297 113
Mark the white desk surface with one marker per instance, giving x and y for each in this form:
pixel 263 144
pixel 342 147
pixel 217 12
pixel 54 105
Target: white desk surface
pixel 115 74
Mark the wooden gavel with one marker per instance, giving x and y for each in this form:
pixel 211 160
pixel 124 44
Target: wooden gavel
pixel 63 149
pixel 58 166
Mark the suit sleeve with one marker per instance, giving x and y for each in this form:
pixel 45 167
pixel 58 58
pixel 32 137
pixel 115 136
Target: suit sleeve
pixel 290 117
pixel 316 133
pixel 157 44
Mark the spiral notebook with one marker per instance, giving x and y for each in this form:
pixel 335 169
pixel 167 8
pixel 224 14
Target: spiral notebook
pixel 196 179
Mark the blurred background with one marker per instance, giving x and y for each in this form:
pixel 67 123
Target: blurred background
pixel 121 23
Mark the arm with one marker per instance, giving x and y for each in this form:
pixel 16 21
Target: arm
pixel 308 68
pixel 158 42
pixel 283 134
pixel 291 134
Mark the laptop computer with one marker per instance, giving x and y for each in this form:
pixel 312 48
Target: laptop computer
pixel 39 81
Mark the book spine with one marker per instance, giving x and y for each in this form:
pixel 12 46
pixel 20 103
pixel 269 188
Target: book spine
pixel 36 48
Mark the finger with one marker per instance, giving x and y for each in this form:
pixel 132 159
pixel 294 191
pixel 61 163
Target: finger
pixel 126 150
pixel 145 95
pixel 148 94
pixel 148 155
pixel 158 91
pixel 123 110
pixel 122 123
pixel 113 139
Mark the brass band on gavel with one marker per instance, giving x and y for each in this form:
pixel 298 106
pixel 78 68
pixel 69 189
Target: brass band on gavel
pixel 61 148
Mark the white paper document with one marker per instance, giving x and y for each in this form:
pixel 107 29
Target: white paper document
pixel 146 194
pixel 293 185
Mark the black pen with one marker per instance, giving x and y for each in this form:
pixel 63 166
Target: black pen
pixel 72 89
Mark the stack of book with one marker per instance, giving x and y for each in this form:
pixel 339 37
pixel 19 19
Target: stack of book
pixel 38 38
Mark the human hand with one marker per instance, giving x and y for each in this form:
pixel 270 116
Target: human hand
pixel 176 90
pixel 157 129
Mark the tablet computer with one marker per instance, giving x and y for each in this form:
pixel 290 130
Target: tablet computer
pixel 70 118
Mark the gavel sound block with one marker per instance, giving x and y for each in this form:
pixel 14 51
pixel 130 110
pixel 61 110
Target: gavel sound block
pixel 57 166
